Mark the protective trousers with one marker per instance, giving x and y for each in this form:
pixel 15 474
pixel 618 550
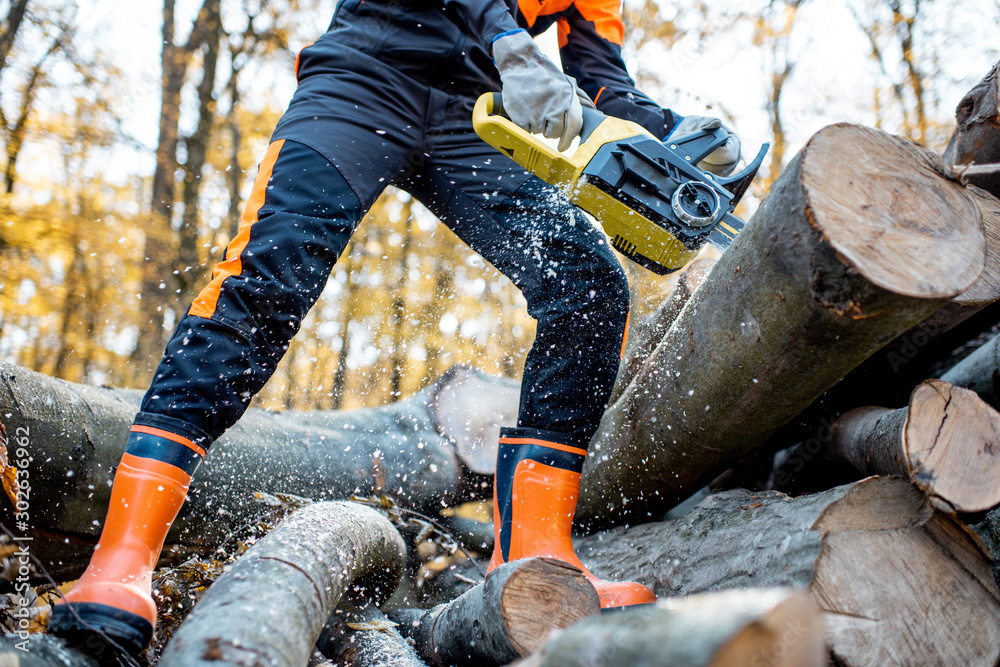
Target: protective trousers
pixel 355 125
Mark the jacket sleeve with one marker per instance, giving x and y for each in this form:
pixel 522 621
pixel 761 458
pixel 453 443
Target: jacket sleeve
pixel 485 19
pixel 591 34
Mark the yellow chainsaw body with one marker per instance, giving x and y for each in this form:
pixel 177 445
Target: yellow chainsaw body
pixel 629 230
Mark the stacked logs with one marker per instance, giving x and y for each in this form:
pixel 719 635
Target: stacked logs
pixel 816 349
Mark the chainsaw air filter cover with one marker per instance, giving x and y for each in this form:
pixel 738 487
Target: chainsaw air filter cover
pixel 661 184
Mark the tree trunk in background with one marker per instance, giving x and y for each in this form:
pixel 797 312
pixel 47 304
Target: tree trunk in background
pixel 17 132
pixel 827 271
pixel 191 268
pixel 899 582
pixel 348 303
pixel 398 356
pixel 11 25
pixel 160 257
pixel 752 628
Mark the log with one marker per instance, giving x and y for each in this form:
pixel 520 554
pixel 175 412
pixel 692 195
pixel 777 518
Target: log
pixel 408 450
pixel 39 650
pixel 755 628
pixel 644 336
pixel 508 616
pixel 831 267
pixel 362 636
pixel 944 442
pixel 272 604
pixel 976 140
pixel 980 372
pixel 899 582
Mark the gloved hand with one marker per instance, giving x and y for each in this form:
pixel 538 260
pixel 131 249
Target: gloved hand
pixel 722 161
pixel 536 94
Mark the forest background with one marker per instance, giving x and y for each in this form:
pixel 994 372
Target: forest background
pixel 131 134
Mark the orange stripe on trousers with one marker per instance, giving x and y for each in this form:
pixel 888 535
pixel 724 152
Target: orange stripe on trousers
pixel 179 439
pixel 205 303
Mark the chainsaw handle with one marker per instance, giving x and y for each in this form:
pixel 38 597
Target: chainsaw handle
pixel 592 118
pixel 696 147
pixel 515 142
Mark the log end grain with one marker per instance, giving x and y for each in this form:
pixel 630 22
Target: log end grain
pixel 986 289
pixel 544 596
pixel 917 592
pixel 469 407
pixel 952 442
pixel 892 213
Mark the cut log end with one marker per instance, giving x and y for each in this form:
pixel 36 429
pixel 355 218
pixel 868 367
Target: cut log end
pixel 892 214
pixel 544 589
pixel 952 441
pixel 886 610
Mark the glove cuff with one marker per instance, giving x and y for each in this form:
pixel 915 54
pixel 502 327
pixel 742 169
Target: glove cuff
pixel 514 48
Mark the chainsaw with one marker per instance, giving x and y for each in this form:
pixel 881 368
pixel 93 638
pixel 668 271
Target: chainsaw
pixel 657 207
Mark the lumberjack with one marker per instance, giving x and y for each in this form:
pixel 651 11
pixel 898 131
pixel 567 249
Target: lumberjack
pixel 386 96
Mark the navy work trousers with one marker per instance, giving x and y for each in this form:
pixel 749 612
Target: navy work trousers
pixel 355 125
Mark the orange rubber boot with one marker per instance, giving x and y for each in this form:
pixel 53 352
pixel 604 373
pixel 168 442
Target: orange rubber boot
pixel 535 491
pixel 113 596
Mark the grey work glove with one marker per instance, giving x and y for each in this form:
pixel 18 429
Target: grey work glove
pixel 722 161
pixel 537 96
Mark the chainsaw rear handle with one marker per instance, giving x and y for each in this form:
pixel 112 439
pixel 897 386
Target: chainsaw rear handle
pixel 591 117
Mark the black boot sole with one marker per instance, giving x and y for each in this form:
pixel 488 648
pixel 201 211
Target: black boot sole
pixel 90 625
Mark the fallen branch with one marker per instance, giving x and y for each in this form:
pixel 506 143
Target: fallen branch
pixel 829 268
pixel 272 605
pixel 777 628
pixel 504 618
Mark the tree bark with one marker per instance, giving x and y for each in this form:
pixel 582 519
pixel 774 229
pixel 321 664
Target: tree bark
pixel 828 270
pixel 363 637
pixel 192 270
pixel 76 434
pixel 899 582
pixel 11 25
pixel 17 132
pixel 980 372
pixel 644 336
pixel 42 651
pixel 272 605
pixel 943 442
pixel 159 252
pixel 504 618
pixel 976 140
pixel 776 627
